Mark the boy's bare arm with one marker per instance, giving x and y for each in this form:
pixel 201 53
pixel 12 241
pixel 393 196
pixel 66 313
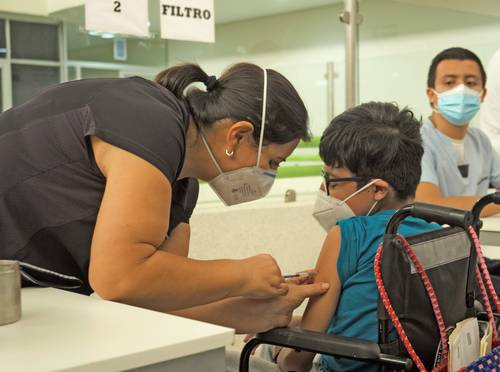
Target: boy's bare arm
pixel 429 193
pixel 320 310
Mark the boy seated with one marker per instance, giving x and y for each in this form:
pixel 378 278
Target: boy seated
pixel 372 156
pixel 459 162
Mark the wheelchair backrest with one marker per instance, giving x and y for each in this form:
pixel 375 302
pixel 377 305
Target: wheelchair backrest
pixel 445 255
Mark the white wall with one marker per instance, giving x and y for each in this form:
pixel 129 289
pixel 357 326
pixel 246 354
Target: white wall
pixel 37 7
pixel 31 7
pixel 285 230
pixel 397 42
pixel 57 5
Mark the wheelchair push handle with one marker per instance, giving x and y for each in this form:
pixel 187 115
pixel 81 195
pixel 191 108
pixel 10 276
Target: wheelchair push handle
pixel 442 215
pixel 483 202
pixel 496 197
pixel 431 213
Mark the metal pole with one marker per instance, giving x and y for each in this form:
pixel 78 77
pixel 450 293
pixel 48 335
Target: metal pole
pixel 352 19
pixel 7 94
pixel 330 98
pixel 63 51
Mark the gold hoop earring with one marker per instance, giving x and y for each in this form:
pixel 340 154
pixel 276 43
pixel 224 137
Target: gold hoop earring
pixel 229 153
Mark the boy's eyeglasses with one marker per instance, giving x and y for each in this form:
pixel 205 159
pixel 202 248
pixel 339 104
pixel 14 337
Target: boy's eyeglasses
pixel 331 181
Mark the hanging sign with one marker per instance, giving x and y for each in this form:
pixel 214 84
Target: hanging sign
pixel 117 16
pixel 187 20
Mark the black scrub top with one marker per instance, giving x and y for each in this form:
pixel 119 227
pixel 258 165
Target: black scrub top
pixel 50 185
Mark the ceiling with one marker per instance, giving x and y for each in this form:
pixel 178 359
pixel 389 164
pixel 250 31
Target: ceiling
pixel 225 10
pixel 481 7
pixel 236 10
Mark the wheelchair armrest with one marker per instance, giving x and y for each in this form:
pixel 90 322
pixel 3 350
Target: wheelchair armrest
pixel 322 343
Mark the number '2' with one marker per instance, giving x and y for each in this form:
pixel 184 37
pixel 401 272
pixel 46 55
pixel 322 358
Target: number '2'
pixel 117 8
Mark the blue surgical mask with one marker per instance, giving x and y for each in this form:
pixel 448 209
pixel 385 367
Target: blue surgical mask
pixel 458 105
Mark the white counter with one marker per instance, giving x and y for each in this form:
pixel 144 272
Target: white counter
pixel 61 330
pixel 490 232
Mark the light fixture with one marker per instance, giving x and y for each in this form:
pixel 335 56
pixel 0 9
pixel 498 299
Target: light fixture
pixel 107 35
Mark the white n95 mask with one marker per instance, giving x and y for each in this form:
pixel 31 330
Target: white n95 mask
pixel 248 183
pixel 328 210
pixel 243 185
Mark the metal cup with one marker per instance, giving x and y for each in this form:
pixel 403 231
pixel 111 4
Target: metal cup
pixel 290 196
pixel 10 292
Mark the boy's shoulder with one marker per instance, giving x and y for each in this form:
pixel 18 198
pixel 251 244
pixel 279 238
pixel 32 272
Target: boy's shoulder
pixel 434 138
pixel 375 225
pixel 478 135
pixel 428 131
pixel 368 225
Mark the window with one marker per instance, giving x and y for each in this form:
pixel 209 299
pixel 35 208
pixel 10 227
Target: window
pixel 3 41
pixel 34 41
pixel 29 80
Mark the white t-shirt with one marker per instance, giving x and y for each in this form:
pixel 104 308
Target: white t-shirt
pixel 490 109
pixel 459 148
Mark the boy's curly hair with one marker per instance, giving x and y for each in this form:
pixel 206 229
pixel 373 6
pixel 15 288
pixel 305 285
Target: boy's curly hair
pixel 376 140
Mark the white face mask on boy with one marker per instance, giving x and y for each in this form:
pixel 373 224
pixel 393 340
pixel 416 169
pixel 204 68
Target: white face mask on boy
pixel 247 183
pixel 328 210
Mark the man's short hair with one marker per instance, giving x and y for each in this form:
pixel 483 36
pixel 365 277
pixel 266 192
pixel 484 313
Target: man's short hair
pixel 461 54
pixel 376 140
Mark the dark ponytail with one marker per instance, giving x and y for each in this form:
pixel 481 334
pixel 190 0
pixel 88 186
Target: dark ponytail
pixel 237 95
pixel 177 78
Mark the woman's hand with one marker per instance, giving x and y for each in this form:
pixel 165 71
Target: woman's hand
pixel 295 322
pixel 303 277
pixel 280 309
pixel 287 361
pixel 248 315
pixel 261 278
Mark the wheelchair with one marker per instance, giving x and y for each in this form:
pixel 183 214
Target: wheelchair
pixel 422 301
